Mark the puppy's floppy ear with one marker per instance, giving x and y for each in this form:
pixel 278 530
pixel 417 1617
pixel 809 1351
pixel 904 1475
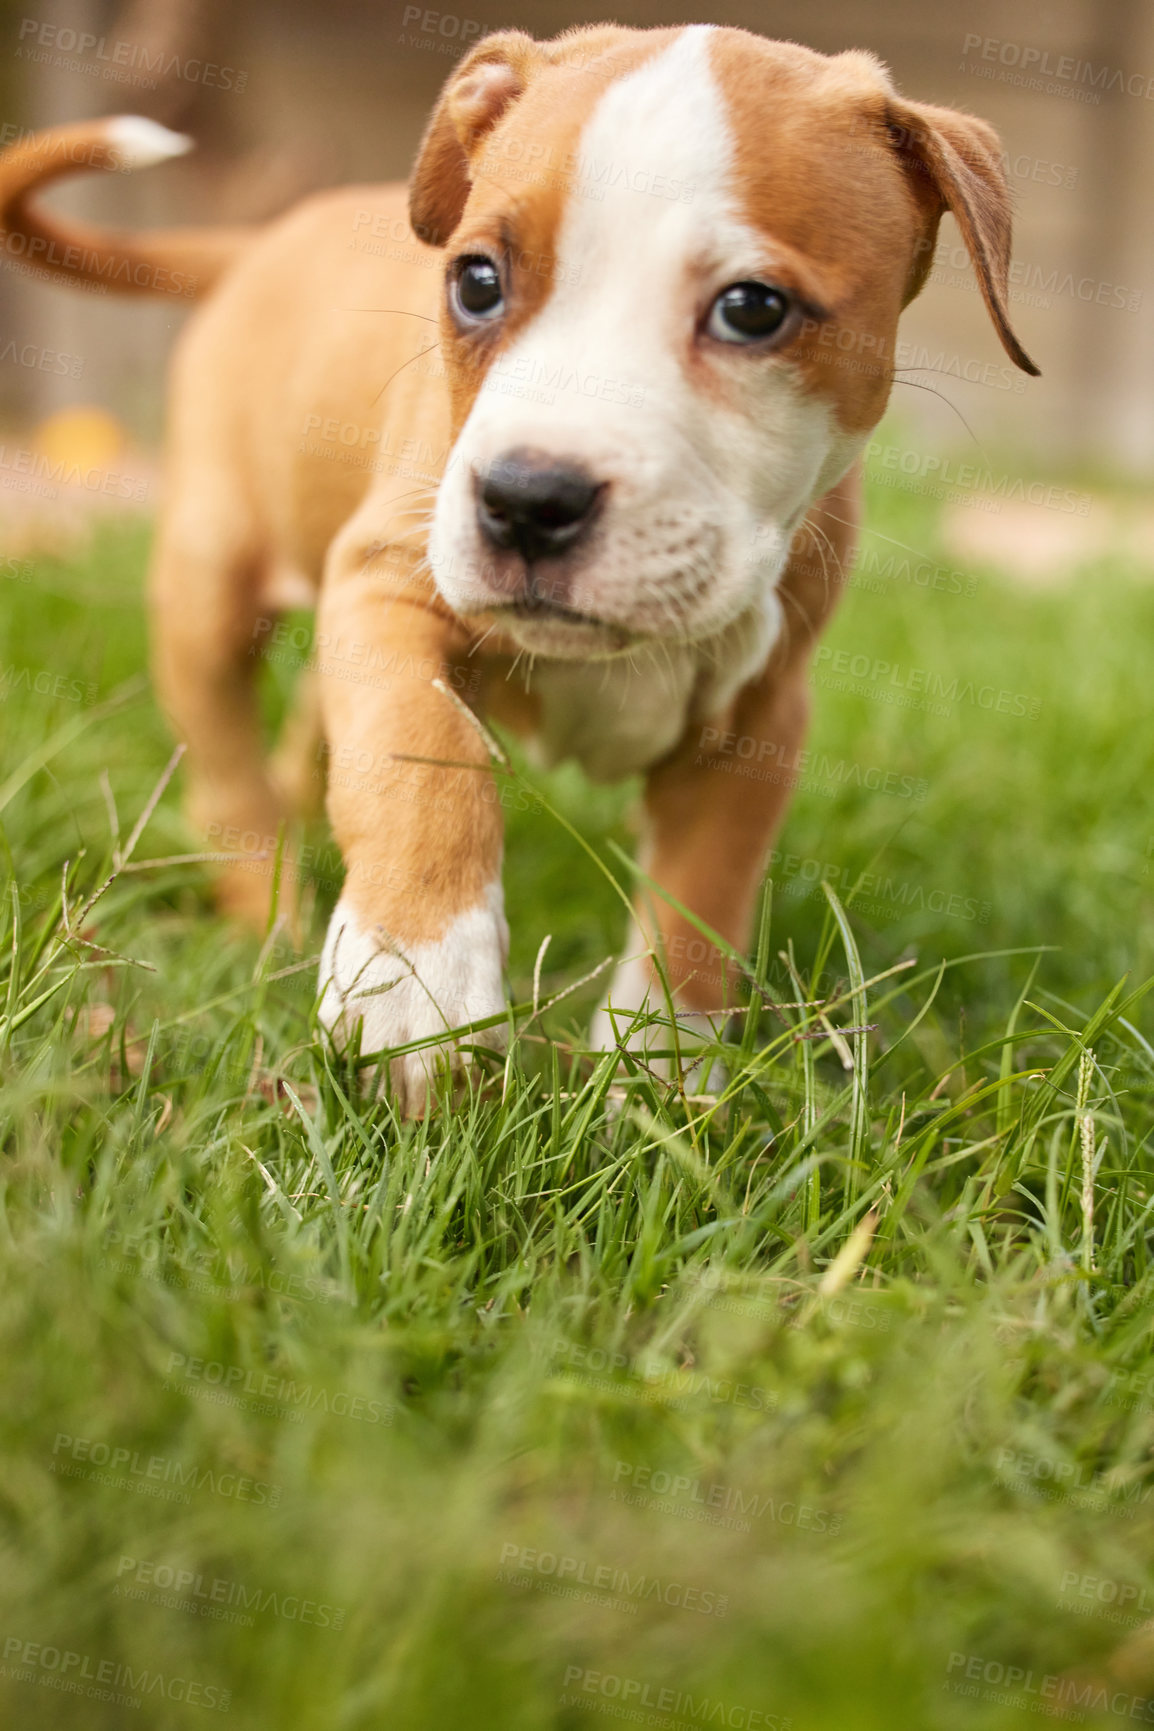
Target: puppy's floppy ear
pixel 473 100
pixel 953 162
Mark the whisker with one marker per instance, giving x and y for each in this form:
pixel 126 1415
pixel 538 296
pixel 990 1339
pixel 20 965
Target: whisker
pixel 916 384
pixel 400 312
pixel 401 369
pixel 905 547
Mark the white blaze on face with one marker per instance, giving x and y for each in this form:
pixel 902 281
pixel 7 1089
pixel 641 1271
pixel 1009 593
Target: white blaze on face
pixel 703 494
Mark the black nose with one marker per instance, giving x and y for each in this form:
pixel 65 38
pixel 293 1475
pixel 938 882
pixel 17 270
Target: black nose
pixel 528 501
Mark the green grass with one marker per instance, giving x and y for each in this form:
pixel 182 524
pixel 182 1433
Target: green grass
pixel 757 1460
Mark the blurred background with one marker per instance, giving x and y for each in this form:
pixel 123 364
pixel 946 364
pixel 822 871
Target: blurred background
pixel 285 96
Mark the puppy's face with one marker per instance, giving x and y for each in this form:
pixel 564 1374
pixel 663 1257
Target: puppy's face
pixel 674 275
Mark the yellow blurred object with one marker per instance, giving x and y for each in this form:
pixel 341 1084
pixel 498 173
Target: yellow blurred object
pixel 87 437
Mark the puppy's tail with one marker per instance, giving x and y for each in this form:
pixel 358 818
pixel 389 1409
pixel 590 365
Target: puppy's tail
pixel 184 262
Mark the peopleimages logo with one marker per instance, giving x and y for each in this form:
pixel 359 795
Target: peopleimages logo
pixel 120 59
pixel 671 1387
pixel 218 1597
pixel 975 477
pixel 676 1707
pixel 712 1501
pixel 871 893
pixel 196 1375
pixel 41 360
pixel 576 1572
pixel 1031 283
pixel 796 766
pixel 917 687
pixel 42 682
pixel 444 24
pixel 1067 1482
pixel 104 1679
pixel 1035 63
pixel 39 467
pixel 164 1476
pixel 1122 1602
pixel 1133 1390
pixel 1040 1691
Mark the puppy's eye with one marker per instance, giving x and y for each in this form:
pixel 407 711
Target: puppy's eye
pixel 475 290
pixel 748 312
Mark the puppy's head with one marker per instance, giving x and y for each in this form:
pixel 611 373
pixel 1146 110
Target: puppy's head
pixel 675 265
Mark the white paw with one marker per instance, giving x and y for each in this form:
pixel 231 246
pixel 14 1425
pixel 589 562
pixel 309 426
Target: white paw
pixel 430 988
pixel 618 1023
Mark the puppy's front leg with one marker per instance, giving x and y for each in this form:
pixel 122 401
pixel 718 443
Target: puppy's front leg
pixel 708 832
pixel 418 940
pixel 714 806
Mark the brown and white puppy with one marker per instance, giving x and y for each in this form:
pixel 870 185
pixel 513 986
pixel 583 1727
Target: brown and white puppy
pixel 601 450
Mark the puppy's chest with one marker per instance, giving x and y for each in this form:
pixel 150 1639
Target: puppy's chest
pixel 621 716
pixel 615 717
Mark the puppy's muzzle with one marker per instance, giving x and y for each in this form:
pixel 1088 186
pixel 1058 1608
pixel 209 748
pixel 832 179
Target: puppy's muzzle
pixel 531 504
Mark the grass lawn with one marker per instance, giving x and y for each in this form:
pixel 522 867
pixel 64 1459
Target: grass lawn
pixel 826 1403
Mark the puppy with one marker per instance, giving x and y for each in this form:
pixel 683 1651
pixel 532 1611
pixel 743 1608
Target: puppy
pixel 566 435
